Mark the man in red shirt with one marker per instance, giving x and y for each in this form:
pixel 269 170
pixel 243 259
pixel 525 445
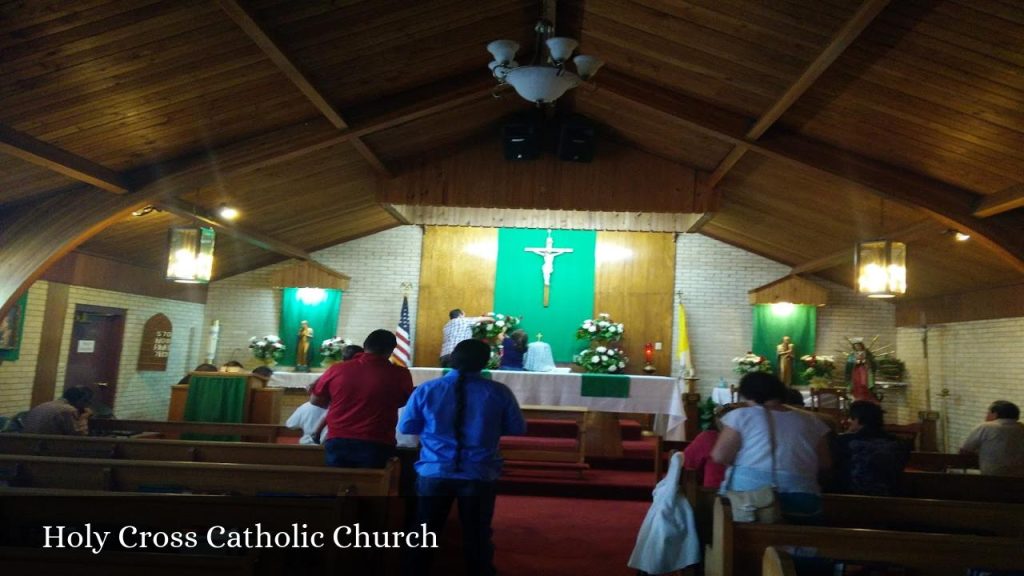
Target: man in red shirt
pixel 362 397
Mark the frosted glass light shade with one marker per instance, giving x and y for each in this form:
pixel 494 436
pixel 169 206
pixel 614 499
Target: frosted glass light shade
pixel 190 255
pixel 504 51
pixel 561 48
pixel 881 268
pixel 587 66
pixel 541 84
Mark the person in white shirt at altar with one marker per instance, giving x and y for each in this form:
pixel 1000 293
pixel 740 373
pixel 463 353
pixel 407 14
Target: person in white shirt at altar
pixel 458 328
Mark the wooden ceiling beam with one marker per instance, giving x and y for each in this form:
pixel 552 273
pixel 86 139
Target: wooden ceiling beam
pixel 245 20
pixel 1003 201
pixel 21 145
pixel 257 239
pixel 845 256
pixel 951 206
pixel 842 39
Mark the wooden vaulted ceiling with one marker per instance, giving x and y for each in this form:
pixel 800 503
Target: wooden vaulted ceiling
pixel 820 122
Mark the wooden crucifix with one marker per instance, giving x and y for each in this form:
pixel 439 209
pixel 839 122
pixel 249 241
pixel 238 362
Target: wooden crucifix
pixel 548 252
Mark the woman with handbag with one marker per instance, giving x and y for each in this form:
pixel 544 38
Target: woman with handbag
pixel 769 446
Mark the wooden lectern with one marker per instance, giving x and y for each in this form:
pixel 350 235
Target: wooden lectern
pixel 225 397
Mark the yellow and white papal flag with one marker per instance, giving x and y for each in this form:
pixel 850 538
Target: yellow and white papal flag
pixel 683 344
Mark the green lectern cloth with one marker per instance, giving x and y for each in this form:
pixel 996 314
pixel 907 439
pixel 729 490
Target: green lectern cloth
pixel 605 385
pixel 215 399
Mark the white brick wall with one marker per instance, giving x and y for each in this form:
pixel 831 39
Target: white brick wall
pixel 16 377
pixel 714 279
pixel 139 394
pixel 377 266
pixel 975 361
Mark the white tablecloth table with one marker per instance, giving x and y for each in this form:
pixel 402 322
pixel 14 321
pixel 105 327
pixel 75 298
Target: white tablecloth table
pixel 656 395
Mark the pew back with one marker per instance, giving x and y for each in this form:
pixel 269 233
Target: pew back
pixel 738 549
pixel 175 428
pixel 208 477
pixel 169 450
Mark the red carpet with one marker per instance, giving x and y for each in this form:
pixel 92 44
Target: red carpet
pixel 538 536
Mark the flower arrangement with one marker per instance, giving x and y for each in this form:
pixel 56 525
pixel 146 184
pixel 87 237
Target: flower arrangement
pixel 332 348
pixel 269 347
pixel 817 367
pixel 603 329
pixel 602 360
pixel 751 362
pixel 890 368
pixel 490 331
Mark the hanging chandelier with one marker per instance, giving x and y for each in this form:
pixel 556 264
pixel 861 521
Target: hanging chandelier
pixel 544 80
pixel 881 267
pixel 190 255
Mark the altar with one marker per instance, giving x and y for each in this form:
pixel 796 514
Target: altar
pixel 655 395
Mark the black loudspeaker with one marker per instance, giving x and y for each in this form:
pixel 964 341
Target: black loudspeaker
pixel 523 137
pixel 576 139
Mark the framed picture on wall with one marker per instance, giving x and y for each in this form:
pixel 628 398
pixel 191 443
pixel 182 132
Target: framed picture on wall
pixel 11 324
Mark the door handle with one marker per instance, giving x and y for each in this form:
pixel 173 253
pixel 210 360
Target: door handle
pixel 102 384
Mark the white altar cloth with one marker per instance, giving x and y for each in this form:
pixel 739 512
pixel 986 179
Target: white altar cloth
pixel 647 394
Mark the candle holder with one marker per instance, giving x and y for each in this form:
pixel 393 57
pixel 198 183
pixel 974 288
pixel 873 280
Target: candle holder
pixel 649 359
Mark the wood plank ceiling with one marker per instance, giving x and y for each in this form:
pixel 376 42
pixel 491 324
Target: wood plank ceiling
pixel 876 118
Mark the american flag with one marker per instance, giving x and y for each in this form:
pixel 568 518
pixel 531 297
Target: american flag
pixel 403 352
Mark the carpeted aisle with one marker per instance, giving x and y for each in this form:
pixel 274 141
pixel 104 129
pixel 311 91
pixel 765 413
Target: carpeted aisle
pixel 541 536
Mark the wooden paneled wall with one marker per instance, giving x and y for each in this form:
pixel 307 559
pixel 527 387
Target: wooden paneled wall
pixel 634 282
pixel 457 271
pixel 619 179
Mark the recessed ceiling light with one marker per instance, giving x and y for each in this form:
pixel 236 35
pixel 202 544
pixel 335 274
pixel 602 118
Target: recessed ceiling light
pixel 961 237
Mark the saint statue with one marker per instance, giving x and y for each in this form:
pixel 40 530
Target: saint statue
pixel 302 348
pixel 784 358
pixel 860 371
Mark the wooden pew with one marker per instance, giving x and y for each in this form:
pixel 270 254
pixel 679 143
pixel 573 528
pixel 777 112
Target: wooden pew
pixel 941 462
pixel 241 479
pixel 26 509
pixel 974 487
pixel 170 450
pixel 737 549
pixel 777 562
pixel 175 428
pixel 18 560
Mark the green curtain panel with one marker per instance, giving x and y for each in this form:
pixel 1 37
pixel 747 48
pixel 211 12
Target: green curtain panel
pixel 215 399
pixel 773 321
pixel 519 285
pixel 12 325
pixel 605 385
pixel 317 306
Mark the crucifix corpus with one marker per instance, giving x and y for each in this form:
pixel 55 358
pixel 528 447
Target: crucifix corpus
pixel 548 252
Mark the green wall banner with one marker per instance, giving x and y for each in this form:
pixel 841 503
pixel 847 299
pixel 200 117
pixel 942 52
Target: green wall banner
pixel 773 321
pixel 519 285
pixel 317 306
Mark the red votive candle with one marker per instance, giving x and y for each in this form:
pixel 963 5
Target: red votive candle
pixel 649 352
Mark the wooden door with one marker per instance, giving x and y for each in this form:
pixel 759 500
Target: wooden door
pixel 95 355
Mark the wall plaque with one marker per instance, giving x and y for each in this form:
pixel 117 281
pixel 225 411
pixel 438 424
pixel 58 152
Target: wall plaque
pixel 156 344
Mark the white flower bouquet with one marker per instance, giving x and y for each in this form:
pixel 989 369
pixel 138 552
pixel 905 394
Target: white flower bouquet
pixel 332 348
pixel 751 362
pixel 603 329
pixel 268 347
pixel 602 360
pixel 490 331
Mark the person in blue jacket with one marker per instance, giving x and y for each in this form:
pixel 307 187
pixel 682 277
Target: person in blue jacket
pixel 460 418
